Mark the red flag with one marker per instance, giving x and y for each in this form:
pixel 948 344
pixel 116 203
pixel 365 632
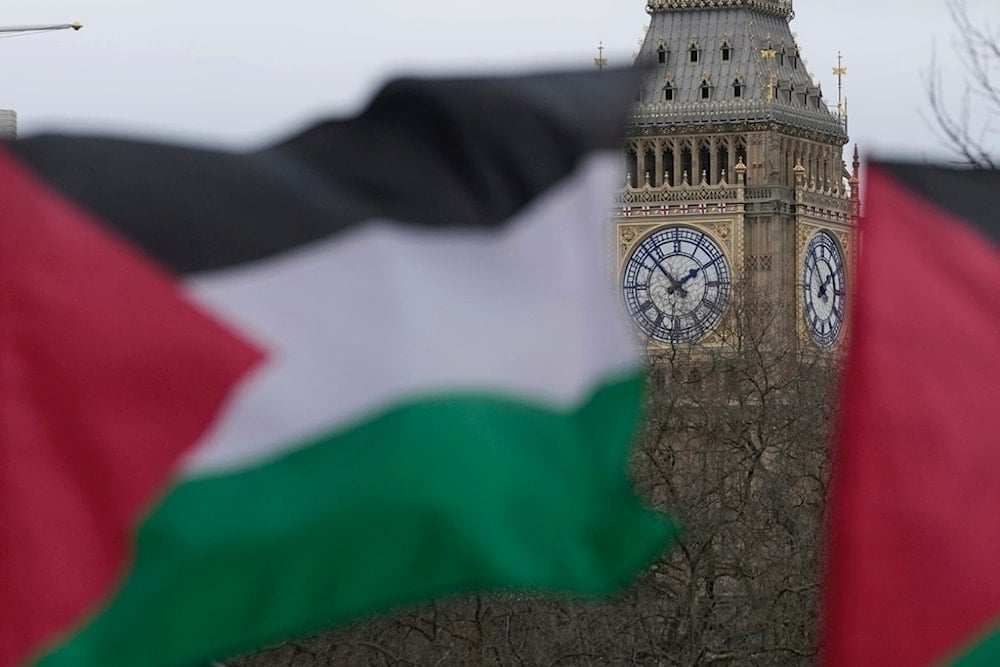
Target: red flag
pixel 914 554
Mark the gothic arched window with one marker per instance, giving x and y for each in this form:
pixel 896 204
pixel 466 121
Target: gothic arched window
pixel 727 51
pixel 668 92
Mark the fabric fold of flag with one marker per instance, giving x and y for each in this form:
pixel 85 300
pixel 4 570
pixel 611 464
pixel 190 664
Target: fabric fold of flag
pixel 914 541
pixel 250 395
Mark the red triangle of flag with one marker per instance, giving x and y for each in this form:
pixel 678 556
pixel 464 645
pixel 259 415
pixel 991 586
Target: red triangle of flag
pixel 108 375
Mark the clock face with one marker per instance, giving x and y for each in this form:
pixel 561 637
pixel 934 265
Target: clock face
pixel 676 284
pixel 824 289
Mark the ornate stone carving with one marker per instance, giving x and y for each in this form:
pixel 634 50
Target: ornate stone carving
pixel 713 193
pixel 782 8
pixel 722 231
pixel 759 262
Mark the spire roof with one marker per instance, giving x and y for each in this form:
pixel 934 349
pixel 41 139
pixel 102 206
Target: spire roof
pixel 720 61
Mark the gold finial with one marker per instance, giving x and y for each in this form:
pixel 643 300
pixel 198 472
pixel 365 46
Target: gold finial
pixel 769 54
pixel 840 72
pixel 600 61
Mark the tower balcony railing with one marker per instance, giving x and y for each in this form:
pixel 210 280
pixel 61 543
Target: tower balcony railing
pixel 769 192
pixel 827 196
pixel 781 8
pixel 827 200
pixel 706 112
pixel 669 194
pixel 738 111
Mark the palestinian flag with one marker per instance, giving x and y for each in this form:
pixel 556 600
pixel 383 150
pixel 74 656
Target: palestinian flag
pixel 244 396
pixel 914 561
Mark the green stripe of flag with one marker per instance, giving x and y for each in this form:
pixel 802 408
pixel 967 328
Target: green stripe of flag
pixel 986 653
pixel 435 496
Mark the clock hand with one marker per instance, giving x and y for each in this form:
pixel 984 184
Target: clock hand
pixel 673 281
pixel 822 288
pixel 676 286
pixel 692 274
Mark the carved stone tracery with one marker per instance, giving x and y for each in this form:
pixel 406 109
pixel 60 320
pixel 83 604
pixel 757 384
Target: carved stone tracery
pixel 781 8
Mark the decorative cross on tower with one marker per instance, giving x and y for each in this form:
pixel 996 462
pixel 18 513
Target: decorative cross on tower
pixel 840 71
pixel 600 61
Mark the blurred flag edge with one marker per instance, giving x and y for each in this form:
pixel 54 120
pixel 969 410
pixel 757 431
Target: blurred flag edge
pixel 913 540
pixel 250 395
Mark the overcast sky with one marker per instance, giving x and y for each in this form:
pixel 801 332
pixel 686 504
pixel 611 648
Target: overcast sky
pixel 254 71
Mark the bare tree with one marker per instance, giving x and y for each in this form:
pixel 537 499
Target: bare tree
pixel 734 446
pixel 738 448
pixel 968 123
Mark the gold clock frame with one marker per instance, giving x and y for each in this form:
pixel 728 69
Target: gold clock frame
pixel 844 237
pixel 726 230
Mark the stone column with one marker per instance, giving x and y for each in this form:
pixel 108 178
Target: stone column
pixel 678 168
pixel 658 168
pixel 713 159
pixel 640 162
pixel 731 168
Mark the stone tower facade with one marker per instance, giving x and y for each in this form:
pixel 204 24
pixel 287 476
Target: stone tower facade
pixel 8 124
pixel 735 177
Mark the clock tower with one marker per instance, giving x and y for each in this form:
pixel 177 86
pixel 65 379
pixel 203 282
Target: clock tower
pixel 735 178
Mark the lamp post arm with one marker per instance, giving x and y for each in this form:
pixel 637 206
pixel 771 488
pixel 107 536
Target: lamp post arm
pixel 76 25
